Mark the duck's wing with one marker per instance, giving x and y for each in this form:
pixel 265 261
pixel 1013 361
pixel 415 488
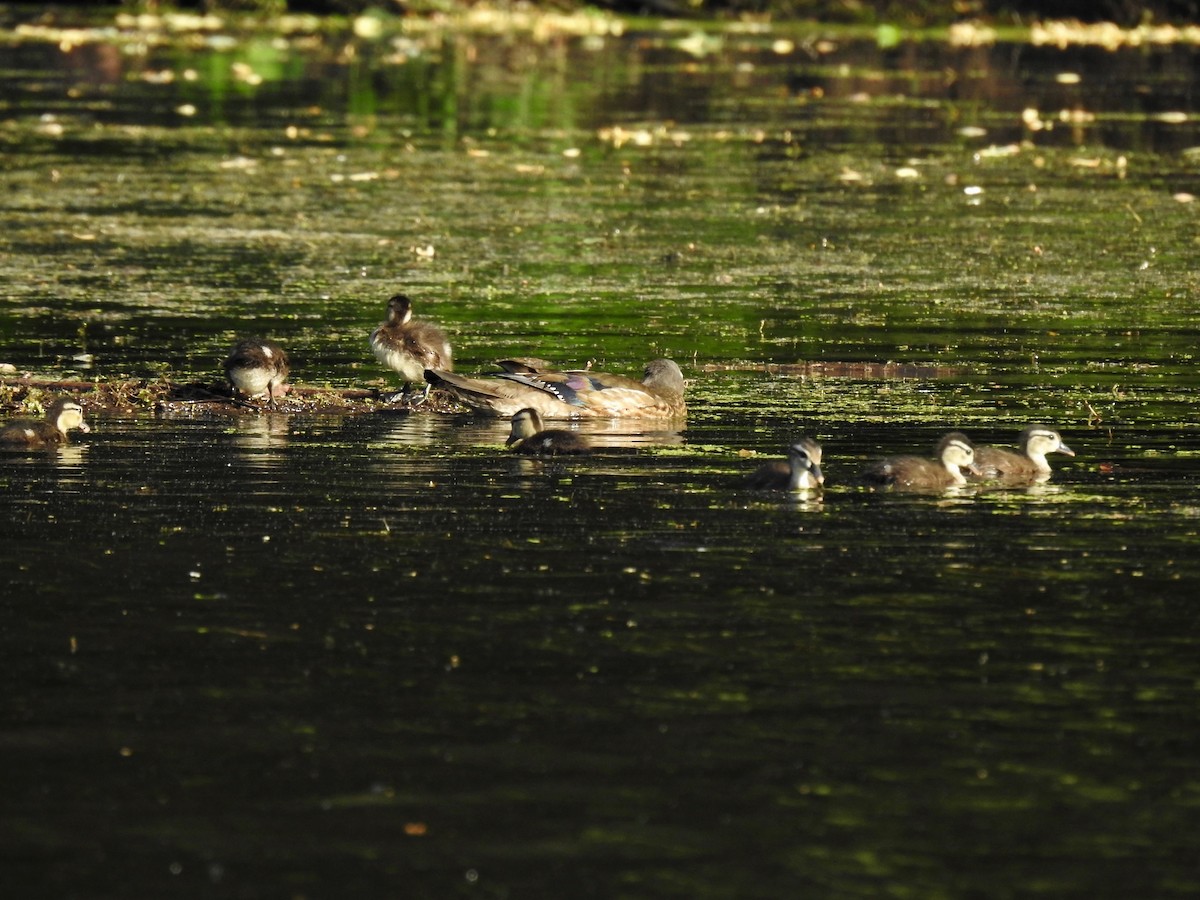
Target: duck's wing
pixel 526 365
pixel 500 396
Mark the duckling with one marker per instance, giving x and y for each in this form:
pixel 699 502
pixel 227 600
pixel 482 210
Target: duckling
pixel 954 453
pixel 409 347
pixel 801 471
pixel 61 416
pixel 255 366
pixel 573 394
pixel 997 463
pixel 529 437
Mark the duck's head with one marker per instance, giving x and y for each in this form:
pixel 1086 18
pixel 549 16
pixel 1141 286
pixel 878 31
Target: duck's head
pixel 525 424
pixel 1038 440
pixel 956 451
pixel 66 414
pixel 399 309
pixel 805 454
pixel 664 375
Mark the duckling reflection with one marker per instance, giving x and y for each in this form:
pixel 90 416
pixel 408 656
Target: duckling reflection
pixel 258 437
pixel 1028 465
pixel 915 473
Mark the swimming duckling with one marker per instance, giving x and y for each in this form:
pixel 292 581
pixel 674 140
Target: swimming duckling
pixel 529 437
pixel 409 347
pixel 954 453
pixel 997 463
pixel 61 416
pixel 801 471
pixel 573 394
pixel 255 366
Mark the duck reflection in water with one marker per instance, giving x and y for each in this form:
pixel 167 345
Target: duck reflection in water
pixel 256 434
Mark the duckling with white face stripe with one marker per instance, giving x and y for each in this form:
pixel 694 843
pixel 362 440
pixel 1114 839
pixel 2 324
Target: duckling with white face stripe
pixel 255 366
pixel 801 471
pixel 1030 464
pixel 915 473
pixel 62 416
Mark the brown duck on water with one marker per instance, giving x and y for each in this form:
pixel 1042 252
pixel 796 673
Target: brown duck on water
pixel 573 394
pixel 1001 464
pixel 954 453
pixel 529 437
pixel 61 416
pixel 801 471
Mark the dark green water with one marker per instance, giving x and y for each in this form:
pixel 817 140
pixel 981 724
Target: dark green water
pixel 373 655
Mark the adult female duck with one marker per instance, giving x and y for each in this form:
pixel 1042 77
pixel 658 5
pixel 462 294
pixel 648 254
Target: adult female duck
pixel 574 394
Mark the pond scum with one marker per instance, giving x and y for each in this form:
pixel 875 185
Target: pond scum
pixel 29 394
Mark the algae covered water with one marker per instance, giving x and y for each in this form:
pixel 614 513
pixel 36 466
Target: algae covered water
pixel 312 654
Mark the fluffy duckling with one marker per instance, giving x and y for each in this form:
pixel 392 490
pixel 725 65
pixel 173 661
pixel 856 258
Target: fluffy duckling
pixel 954 453
pixel 529 437
pixel 801 471
pixel 255 366
pixel 999 464
pixel 409 347
pixel 61 416
pixel 573 394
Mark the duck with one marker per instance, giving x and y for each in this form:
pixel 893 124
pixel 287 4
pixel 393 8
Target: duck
pixel 954 453
pixel 409 347
pixel 1000 464
pixel 63 415
pixel 801 471
pixel 571 394
pixel 529 437
pixel 256 366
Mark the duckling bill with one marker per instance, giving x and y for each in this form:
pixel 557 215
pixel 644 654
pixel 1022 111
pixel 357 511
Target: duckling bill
pixel 529 437
pixel 62 416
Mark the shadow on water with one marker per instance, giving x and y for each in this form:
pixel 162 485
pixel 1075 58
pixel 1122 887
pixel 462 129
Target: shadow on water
pixel 362 653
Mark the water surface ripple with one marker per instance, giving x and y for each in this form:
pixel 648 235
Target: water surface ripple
pixel 369 654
